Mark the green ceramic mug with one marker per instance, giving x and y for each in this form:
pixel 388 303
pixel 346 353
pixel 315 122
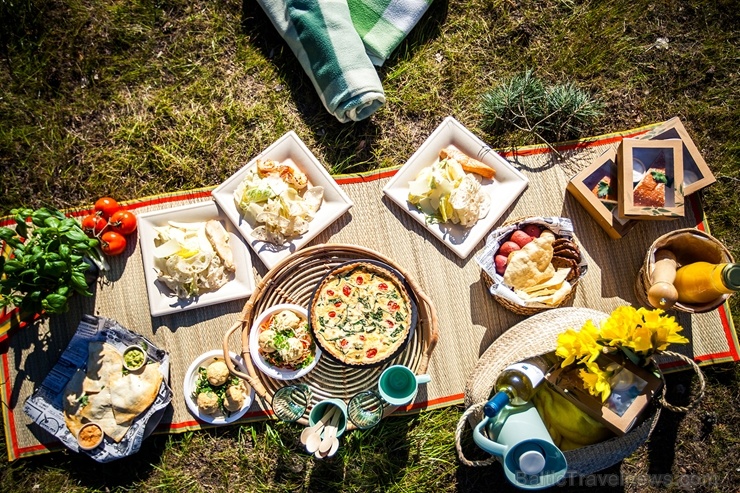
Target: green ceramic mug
pixel 398 385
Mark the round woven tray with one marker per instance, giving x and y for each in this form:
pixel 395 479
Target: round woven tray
pixel 293 280
pixel 538 335
pixel 690 245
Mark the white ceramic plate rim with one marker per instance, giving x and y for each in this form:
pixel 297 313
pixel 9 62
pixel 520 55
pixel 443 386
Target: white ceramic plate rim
pixel 191 377
pixel 161 300
pixel 506 187
pixel 257 358
pixel 335 203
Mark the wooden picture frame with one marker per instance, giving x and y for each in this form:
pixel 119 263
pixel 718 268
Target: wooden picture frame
pixel 651 174
pixel 696 172
pixel 622 409
pixel 597 189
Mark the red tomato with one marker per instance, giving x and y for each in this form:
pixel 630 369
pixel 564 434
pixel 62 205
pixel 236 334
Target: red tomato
pixel 359 280
pixel 343 342
pixel 332 314
pixel 346 290
pixel 371 353
pixel 338 304
pixel 123 222
pixel 112 243
pixel 393 306
pixel 106 207
pixel 93 225
pixel 390 323
pixel 330 292
pixel 383 286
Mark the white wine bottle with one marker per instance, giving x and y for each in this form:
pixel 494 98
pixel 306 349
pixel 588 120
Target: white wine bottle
pixel 517 383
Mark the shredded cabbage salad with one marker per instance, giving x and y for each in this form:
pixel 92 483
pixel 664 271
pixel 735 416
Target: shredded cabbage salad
pixel 186 261
pixel 280 208
pixel 445 193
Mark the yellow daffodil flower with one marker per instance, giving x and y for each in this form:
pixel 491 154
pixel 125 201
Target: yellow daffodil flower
pixel 596 381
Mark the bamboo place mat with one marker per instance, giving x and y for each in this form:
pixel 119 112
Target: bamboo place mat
pixel 469 319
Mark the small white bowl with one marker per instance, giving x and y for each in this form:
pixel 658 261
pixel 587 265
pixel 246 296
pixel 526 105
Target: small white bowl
pixel 261 363
pixel 191 378
pixel 134 348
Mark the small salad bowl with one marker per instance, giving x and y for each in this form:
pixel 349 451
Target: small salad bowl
pixel 260 350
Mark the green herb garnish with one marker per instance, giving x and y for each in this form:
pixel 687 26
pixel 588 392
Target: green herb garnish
pixel 48 261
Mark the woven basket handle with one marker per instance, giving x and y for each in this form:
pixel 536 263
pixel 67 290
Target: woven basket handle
pixel 458 438
pixel 702 385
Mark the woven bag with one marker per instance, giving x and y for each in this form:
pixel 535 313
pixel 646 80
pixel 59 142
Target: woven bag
pixel 689 245
pixel 487 273
pixel 538 335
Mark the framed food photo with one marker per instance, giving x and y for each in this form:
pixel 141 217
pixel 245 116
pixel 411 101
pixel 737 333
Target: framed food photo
pixel 696 172
pixel 596 188
pixel 651 172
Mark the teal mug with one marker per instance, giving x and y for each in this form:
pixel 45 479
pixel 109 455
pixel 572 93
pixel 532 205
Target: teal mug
pixel 519 439
pixel 398 385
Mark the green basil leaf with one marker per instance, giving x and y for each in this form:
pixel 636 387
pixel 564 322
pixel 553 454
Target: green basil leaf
pixel 6 234
pixel 12 266
pixel 55 303
pixel 76 236
pixel 52 222
pixel 78 280
pixel 64 251
pixel 63 291
pixel 22 229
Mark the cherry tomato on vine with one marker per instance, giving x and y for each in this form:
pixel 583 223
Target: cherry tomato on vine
pixel 123 222
pixel 93 225
pixel 112 243
pixel 106 207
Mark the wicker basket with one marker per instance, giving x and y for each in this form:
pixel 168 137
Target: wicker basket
pixel 530 309
pixel 689 245
pixel 293 280
pixel 538 335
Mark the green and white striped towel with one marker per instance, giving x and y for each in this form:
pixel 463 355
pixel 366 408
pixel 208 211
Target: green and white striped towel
pixel 383 24
pixel 323 38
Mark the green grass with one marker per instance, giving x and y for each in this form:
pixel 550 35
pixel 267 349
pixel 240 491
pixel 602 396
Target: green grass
pixel 137 97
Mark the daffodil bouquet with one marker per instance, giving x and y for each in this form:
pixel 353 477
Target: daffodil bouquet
pixel 638 333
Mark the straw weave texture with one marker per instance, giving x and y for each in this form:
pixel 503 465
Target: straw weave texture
pixel 469 319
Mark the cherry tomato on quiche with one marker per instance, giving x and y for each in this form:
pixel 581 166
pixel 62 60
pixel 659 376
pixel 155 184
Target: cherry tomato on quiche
pixel 93 225
pixel 106 207
pixel 123 222
pixel 112 243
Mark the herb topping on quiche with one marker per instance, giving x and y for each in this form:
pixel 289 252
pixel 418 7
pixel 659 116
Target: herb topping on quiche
pixel 361 314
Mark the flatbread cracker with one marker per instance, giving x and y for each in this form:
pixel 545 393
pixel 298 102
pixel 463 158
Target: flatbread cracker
pixel 103 362
pixel 133 393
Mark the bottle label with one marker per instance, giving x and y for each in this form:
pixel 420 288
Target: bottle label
pixel 533 373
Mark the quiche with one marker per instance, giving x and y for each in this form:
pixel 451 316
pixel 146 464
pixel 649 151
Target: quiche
pixel 361 314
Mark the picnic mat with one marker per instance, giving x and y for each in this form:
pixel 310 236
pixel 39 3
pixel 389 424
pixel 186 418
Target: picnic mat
pixel 469 319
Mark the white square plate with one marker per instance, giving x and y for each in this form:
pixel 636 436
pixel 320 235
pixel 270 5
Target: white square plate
pixel 335 203
pixel 161 300
pixel 507 185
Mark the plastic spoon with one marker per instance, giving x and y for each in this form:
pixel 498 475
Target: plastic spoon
pixel 313 440
pixel 329 435
pixel 316 429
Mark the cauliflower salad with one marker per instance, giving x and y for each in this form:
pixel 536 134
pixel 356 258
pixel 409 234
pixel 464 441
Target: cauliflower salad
pixel 278 198
pixel 444 192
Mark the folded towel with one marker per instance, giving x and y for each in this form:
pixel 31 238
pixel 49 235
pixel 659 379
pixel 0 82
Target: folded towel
pixel 322 37
pixel 383 24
